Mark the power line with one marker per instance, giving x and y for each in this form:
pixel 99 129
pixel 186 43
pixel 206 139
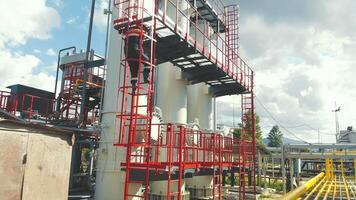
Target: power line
pixel 279 123
pixel 304 125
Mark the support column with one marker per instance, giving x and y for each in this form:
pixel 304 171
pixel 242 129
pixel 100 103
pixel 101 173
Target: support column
pixel 355 169
pixel 224 178
pixel 110 180
pixel 272 167
pixel 232 178
pixel 283 171
pixel 259 168
pixel 264 172
pixel 249 177
pixel 291 173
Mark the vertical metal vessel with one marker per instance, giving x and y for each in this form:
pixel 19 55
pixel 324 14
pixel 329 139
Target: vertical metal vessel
pixel 110 180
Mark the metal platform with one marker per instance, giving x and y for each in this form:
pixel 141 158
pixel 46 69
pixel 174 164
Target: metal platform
pixel 197 64
pixel 208 13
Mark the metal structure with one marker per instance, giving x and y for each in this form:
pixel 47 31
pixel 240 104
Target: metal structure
pixel 328 185
pixel 307 160
pixel 189 35
pixel 200 40
pixel 72 88
pixel 31 105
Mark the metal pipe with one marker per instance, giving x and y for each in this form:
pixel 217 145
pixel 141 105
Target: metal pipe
pixel 328 191
pixel 335 188
pixel 58 60
pixel 298 192
pixel 321 191
pixel 108 12
pixel 85 75
pixel 346 187
pixel 57 73
pixel 315 189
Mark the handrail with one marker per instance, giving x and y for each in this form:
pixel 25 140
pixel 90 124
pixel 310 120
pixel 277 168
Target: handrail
pixel 299 191
pixel 234 66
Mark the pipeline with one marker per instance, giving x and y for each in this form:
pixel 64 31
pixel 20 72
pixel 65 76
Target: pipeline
pixel 299 191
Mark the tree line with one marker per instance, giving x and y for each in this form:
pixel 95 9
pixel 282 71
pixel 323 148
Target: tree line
pixel 274 136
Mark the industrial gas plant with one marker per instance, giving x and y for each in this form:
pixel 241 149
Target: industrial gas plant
pixel 140 121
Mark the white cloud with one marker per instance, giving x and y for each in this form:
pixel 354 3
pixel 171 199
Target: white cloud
pixel 18 68
pixel 51 52
pixel 25 20
pixel 303 63
pixel 58 3
pixel 72 20
pixel 37 51
pixel 100 19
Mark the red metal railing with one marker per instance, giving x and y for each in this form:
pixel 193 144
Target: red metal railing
pixel 28 107
pixel 216 47
pixel 34 108
pixel 8 102
pixel 70 97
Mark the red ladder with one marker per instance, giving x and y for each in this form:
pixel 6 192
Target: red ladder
pixel 248 129
pixel 231 18
pixel 136 111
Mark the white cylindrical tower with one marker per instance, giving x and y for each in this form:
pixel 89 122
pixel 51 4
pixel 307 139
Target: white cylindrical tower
pixel 171 98
pixel 200 109
pixel 200 105
pixel 110 179
pixel 171 93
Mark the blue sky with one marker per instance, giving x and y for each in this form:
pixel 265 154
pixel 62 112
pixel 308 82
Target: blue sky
pixel 73 31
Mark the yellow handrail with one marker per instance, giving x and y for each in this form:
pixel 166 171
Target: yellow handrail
pixel 299 191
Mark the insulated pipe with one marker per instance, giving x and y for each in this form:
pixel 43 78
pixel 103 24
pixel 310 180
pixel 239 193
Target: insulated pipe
pixel 298 192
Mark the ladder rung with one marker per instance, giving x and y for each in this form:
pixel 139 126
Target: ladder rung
pixel 139 182
pixel 135 195
pixel 134 155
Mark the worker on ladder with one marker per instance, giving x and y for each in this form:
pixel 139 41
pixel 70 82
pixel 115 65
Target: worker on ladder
pixel 135 53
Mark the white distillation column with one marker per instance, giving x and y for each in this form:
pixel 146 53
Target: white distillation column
pixel 200 109
pixel 110 179
pixel 200 105
pixel 171 98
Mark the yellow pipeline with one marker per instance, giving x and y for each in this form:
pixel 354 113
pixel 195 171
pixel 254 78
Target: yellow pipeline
pixel 299 191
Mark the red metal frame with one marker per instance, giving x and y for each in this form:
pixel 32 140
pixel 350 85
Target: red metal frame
pixel 24 104
pixel 232 33
pixel 70 96
pixel 135 117
pixel 8 102
pixel 177 147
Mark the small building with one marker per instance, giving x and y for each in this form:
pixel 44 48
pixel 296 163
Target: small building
pixel 27 97
pixel 347 136
pixel 35 161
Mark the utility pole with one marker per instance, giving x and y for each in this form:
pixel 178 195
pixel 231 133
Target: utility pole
pixel 336 110
pixel 85 75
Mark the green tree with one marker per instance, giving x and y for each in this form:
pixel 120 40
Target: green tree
pixel 275 137
pixel 248 128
